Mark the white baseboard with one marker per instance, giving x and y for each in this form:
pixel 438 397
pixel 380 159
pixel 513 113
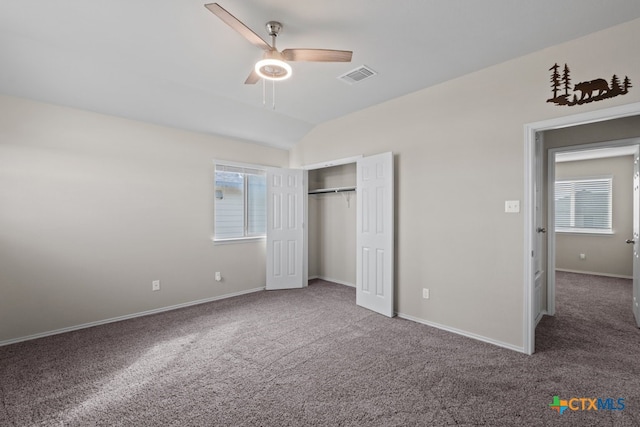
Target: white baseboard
pixel 126 317
pixel 463 333
pixel 593 273
pixel 329 279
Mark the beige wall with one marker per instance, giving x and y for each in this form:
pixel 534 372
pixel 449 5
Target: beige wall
pixel 605 254
pixel 459 155
pixel 93 208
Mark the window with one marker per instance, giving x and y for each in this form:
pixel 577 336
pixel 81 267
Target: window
pixel 584 205
pixel 240 202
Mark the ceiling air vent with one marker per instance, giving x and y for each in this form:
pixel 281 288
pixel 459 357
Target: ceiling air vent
pixel 359 74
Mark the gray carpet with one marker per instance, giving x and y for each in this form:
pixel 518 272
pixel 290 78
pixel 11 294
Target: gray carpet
pixel 312 357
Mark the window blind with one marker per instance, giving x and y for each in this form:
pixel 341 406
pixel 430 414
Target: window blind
pixel 239 169
pixel 584 205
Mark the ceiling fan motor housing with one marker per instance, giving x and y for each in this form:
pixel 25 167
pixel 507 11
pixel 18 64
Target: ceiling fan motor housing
pixel 274 28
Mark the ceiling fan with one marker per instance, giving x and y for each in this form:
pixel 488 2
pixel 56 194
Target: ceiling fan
pixel 273 65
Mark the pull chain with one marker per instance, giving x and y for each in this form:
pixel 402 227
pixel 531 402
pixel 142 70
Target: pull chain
pixel 273 93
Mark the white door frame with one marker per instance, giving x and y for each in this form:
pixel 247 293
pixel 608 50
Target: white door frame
pixel 538 264
pixel 530 131
pixel 551 220
pixel 336 162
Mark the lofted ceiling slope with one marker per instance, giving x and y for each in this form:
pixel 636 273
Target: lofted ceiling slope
pixel 174 63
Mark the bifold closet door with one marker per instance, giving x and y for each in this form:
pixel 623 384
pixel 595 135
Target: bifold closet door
pixel 375 234
pixel 286 201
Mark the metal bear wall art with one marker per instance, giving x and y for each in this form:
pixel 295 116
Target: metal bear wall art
pixel 584 92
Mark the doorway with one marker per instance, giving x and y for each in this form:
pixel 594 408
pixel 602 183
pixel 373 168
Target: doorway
pixel 531 175
pixel 595 177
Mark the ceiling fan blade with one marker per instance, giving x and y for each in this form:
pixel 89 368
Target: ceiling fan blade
pixel 317 55
pixel 235 23
pixel 253 78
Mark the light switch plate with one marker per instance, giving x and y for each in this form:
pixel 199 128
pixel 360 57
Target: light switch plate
pixel 512 206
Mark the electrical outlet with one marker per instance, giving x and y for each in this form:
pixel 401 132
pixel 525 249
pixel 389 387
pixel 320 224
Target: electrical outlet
pixel 155 285
pixel 512 206
pixel 218 276
pixel 425 293
pixel 583 256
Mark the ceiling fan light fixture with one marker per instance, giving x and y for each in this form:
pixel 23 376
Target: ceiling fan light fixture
pixel 273 69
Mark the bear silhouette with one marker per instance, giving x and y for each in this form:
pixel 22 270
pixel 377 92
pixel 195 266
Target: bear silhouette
pixel 587 88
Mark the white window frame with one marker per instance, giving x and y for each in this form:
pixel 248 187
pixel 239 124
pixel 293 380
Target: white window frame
pixel 578 230
pixel 246 238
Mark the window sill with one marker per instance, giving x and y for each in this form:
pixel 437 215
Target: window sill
pixel 587 232
pixel 255 239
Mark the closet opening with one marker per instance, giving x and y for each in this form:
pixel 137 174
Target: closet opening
pixel 332 220
pixel 328 231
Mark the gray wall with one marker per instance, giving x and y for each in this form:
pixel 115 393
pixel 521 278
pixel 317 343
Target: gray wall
pixel 93 208
pixel 605 254
pixel 610 130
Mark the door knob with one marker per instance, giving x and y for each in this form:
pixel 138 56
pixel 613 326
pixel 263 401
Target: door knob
pixel 541 230
pixel 630 241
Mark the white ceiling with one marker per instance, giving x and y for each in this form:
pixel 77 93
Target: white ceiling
pixel 174 63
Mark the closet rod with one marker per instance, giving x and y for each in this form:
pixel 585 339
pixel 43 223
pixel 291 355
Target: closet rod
pixel 332 190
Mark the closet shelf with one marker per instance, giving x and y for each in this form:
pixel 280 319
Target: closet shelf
pixel 332 190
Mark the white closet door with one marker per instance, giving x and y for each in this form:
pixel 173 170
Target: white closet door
pixel 286 255
pixel 375 234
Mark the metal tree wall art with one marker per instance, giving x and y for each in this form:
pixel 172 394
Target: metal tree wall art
pixel 588 91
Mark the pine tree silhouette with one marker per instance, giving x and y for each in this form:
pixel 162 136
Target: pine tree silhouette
pixel 555 80
pixel 566 80
pixel 626 84
pixel 615 85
